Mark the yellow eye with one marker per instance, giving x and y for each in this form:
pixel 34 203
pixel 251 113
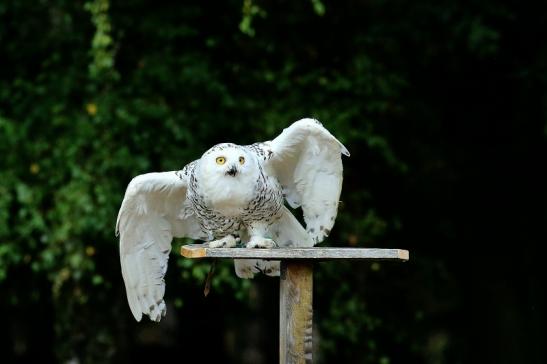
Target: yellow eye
pixel 221 160
pixel 241 160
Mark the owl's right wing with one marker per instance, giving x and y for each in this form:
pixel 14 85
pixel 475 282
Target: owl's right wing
pixel 307 160
pixel 153 211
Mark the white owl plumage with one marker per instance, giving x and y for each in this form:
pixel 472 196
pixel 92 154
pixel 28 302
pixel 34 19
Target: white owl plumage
pixel 232 193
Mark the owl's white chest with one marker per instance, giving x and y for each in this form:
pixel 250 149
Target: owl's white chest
pixel 228 195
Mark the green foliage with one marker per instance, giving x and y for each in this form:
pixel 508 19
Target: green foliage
pixel 159 90
pixel 102 53
pixel 318 7
pixel 248 12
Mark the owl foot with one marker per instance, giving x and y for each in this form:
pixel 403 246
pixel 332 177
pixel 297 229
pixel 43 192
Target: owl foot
pixel 259 242
pixel 226 242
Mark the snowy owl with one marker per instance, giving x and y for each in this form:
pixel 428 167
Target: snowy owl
pixel 232 195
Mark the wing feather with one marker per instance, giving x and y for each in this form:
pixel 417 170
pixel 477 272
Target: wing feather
pixel 306 158
pixel 153 211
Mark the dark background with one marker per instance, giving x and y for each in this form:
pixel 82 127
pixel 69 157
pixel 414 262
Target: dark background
pixel 441 103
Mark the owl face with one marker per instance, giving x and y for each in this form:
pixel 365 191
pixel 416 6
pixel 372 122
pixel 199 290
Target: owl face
pixel 227 160
pixel 227 175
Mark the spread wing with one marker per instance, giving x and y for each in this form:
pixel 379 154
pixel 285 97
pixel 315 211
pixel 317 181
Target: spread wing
pixel 153 211
pixel 307 160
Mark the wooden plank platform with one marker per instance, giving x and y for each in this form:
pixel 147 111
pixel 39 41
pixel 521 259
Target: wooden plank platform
pixel 295 286
pixel 315 253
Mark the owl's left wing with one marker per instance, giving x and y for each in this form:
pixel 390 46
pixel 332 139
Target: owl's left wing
pixel 153 211
pixel 307 160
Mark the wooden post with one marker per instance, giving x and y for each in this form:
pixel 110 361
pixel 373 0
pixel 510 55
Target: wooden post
pixel 295 312
pixel 296 286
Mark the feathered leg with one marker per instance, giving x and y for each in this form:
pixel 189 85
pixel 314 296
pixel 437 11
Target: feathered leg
pixel 226 242
pixel 258 231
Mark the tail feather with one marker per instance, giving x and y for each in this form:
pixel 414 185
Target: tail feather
pixel 247 268
pixel 288 232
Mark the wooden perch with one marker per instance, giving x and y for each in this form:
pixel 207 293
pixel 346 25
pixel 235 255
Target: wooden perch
pixel 296 286
pixel 315 253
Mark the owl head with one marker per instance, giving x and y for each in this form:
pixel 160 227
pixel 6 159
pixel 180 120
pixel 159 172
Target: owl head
pixel 227 174
pixel 227 160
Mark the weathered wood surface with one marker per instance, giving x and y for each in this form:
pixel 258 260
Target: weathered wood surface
pixel 296 286
pixel 315 253
pixel 295 312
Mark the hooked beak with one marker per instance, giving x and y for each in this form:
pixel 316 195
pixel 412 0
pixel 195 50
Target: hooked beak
pixel 232 171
